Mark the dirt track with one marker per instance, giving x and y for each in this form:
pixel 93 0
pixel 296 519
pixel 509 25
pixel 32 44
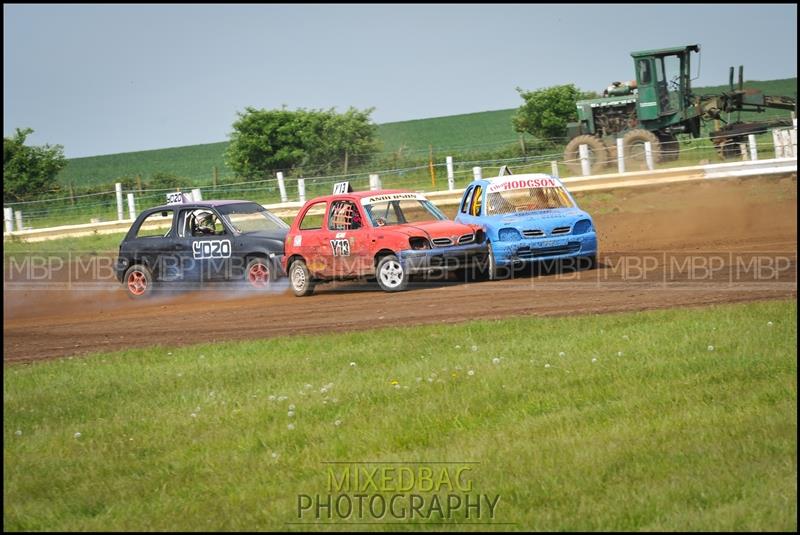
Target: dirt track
pixel 681 245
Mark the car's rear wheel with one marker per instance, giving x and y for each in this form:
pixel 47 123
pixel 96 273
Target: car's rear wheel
pixel 392 277
pixel 259 273
pixel 138 281
pixel 300 279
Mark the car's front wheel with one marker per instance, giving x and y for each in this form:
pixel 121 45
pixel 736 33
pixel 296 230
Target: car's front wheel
pixel 300 279
pixel 259 273
pixel 492 264
pixel 392 277
pixel 138 281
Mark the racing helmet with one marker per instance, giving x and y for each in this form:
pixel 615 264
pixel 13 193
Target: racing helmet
pixel 204 222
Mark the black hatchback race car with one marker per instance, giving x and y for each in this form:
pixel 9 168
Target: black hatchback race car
pixel 188 244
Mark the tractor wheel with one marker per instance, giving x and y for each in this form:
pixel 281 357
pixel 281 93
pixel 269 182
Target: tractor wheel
pixel 633 143
pixel 670 147
pixel 597 153
pixel 728 149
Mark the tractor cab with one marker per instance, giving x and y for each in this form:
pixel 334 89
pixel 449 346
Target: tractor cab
pixel 663 81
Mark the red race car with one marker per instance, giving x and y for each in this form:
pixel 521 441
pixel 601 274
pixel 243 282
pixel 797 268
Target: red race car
pixel 386 234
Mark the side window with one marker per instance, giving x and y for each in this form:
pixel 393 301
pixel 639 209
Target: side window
pixel 156 225
pixel 200 222
pixel 312 220
pixel 475 208
pixel 645 77
pixel 344 215
pixel 465 200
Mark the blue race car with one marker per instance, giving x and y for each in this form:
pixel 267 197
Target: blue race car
pixel 528 218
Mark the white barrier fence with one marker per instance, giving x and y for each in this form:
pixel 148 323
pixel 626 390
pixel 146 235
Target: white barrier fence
pixel 784 144
pixel 775 166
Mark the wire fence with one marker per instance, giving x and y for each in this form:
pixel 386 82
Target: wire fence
pixel 601 159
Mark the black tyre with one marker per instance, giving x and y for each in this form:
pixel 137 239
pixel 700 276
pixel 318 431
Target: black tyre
pixel 259 273
pixel 633 143
pixel 138 281
pixel 392 277
pixel 729 149
pixel 300 279
pixel 598 156
pixel 670 147
pixel 492 264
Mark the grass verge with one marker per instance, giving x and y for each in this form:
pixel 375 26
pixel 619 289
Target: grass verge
pixel 681 419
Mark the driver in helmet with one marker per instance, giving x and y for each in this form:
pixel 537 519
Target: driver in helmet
pixel 203 224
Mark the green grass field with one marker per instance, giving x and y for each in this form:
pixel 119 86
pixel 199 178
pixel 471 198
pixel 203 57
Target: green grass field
pixel 663 420
pixel 473 133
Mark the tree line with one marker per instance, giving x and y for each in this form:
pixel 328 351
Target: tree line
pixel 302 142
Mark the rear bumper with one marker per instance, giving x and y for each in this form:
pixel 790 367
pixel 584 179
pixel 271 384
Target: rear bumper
pixel 447 258
pixel 536 250
pixel 120 266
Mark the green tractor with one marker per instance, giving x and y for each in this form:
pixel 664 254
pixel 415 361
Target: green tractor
pixel 658 106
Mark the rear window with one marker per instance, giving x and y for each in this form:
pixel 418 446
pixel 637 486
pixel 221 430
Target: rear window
pixel 156 225
pixel 312 219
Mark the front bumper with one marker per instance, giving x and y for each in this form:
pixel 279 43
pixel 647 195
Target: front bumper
pixel 524 251
pixel 447 258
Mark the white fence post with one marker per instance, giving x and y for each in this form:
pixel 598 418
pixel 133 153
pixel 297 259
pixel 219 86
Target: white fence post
pixel 776 142
pixel 743 151
pixel 751 140
pixel 451 177
pixel 477 174
pixel 301 189
pixel 374 182
pixel 648 155
pixel 8 217
pixel 197 195
pixel 583 150
pixel 620 155
pixel 282 187
pixel 131 206
pixel 554 168
pixel 120 211
pixel 18 216
pixel 790 142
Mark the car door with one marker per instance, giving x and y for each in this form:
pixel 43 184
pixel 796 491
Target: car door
pixel 348 238
pixel 205 253
pixel 310 240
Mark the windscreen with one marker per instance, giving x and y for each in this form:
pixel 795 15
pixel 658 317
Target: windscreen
pixel 398 212
pixel 250 217
pixel 526 200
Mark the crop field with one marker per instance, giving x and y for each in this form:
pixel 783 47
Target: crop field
pixel 667 420
pixel 473 133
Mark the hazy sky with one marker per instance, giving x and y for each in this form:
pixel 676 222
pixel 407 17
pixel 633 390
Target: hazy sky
pixel 119 78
